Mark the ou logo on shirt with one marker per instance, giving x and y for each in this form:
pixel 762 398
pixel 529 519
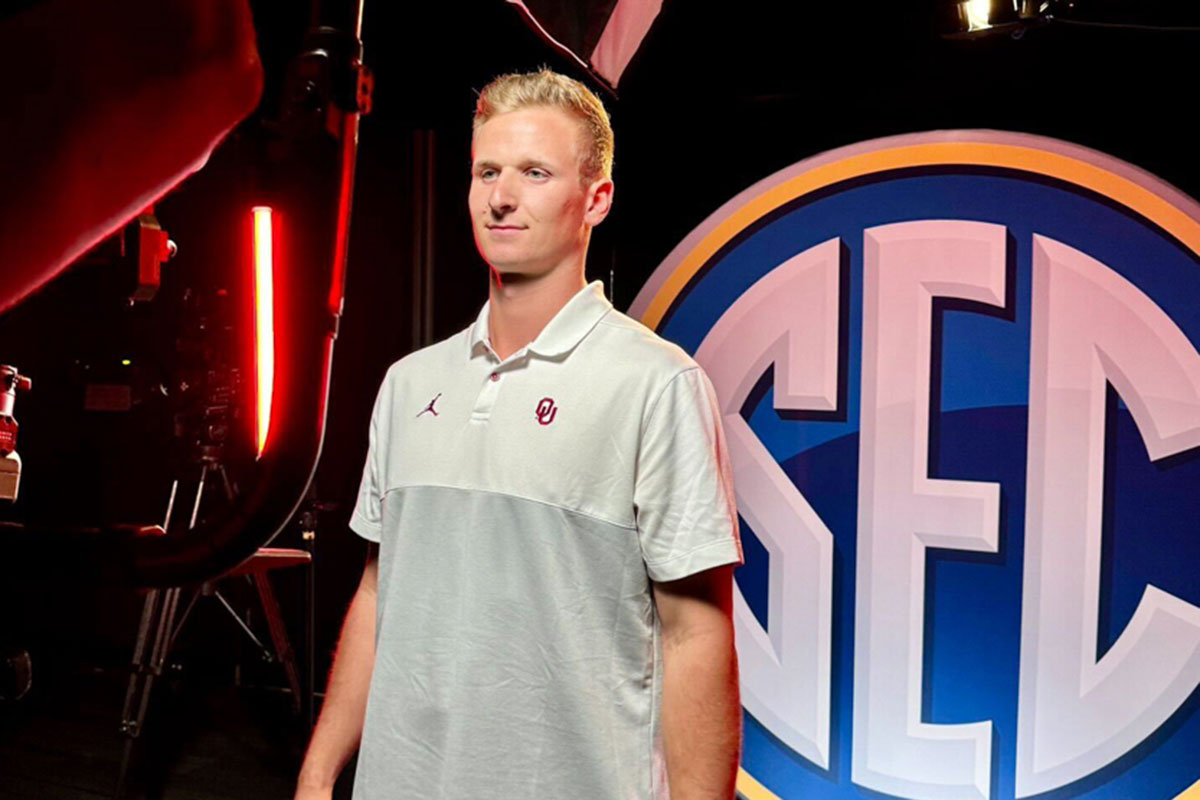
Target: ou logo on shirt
pixel 546 411
pixel 960 383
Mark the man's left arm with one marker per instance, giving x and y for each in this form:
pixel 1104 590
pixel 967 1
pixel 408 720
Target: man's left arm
pixel 701 711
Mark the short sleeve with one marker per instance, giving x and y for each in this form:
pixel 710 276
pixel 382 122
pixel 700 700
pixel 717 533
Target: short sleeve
pixel 683 493
pixel 366 519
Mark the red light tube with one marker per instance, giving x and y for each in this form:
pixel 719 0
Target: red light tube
pixel 264 322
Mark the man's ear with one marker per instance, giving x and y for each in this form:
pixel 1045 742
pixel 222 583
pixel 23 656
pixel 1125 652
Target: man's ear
pixel 599 201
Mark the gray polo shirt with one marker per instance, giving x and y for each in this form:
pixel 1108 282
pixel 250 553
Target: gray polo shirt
pixel 523 508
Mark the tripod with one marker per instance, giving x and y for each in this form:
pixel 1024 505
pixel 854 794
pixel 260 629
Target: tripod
pixel 158 629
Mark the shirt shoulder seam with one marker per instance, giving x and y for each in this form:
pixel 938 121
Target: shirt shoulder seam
pixel 667 385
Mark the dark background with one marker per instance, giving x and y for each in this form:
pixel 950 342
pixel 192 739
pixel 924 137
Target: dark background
pixel 720 96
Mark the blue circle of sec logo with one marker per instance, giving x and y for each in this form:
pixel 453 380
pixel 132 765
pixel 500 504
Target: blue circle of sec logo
pixel 959 378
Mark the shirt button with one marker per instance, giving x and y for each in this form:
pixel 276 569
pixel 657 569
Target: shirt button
pixel 495 376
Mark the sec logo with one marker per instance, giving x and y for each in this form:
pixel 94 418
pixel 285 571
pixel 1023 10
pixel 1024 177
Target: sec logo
pixel 961 387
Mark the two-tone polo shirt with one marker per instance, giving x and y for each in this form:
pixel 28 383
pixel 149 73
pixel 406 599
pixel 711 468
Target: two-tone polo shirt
pixel 523 507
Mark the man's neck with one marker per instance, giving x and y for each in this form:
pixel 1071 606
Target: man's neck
pixel 521 307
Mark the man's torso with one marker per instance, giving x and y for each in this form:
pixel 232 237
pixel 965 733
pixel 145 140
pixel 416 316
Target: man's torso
pixel 516 640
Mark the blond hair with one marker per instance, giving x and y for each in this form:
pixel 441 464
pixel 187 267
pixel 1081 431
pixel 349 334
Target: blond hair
pixel 546 88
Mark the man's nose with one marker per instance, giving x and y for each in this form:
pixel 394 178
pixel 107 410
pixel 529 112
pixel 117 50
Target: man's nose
pixel 503 198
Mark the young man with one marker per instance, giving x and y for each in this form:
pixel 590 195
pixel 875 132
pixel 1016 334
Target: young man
pixel 549 615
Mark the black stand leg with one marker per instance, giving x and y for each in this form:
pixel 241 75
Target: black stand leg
pixel 149 654
pixel 310 605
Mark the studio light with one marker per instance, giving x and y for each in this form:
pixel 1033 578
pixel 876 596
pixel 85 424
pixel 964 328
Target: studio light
pixel 975 15
pixel 264 322
pixel 975 18
pixel 972 19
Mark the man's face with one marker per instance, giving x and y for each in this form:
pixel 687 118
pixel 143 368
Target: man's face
pixel 529 208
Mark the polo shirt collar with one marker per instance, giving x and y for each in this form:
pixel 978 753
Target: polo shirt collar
pixel 563 332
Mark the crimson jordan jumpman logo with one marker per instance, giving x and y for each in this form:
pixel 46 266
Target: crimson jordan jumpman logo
pixel 430 407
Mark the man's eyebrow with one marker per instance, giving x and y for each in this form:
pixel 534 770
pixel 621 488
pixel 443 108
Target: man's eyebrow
pixel 526 164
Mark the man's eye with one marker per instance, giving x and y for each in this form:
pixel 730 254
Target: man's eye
pixel 487 174
pixel 538 174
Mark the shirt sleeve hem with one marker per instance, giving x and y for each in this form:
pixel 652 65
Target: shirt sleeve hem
pixel 713 554
pixel 365 528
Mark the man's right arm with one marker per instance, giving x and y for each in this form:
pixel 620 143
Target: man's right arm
pixel 339 728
